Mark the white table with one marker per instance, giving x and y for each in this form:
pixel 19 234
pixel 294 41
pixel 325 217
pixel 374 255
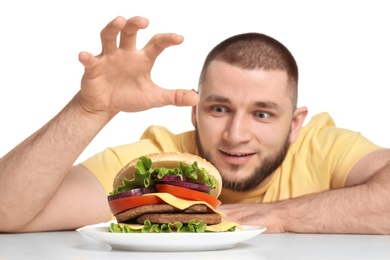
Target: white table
pixel 75 245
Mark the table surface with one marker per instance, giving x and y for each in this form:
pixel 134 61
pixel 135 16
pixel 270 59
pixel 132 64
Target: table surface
pixel 76 245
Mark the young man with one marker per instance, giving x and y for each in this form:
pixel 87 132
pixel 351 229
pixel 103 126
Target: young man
pixel 276 174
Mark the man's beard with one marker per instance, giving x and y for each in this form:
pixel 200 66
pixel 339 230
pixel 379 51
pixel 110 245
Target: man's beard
pixel 266 168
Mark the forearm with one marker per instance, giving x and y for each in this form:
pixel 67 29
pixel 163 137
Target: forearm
pixel 47 156
pixel 359 209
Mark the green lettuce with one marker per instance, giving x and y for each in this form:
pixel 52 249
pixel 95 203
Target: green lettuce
pixel 145 171
pixel 191 227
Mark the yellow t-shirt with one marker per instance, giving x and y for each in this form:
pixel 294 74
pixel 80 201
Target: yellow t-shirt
pixel 319 160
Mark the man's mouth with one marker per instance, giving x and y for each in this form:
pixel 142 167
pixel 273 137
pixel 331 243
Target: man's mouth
pixel 236 158
pixel 236 154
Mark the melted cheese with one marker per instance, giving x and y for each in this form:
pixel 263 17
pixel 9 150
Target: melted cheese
pixel 223 226
pixel 181 203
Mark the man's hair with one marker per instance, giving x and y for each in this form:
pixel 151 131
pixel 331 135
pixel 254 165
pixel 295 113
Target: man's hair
pixel 255 51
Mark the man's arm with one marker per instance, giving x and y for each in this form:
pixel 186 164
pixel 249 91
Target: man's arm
pixel 361 207
pixel 39 188
pixel 33 172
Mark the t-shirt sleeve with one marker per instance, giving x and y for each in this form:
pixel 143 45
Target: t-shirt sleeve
pixel 333 151
pixel 105 165
pixel 347 150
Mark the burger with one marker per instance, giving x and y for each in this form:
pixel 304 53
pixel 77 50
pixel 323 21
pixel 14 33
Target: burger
pixel 167 192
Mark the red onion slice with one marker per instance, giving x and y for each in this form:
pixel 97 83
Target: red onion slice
pixel 190 185
pixel 133 192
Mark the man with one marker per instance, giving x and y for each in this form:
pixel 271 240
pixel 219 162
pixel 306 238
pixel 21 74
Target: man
pixel 276 174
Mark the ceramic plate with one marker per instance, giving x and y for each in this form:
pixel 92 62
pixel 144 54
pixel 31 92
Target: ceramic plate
pixel 171 241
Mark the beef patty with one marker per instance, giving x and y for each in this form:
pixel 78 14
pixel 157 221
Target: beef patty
pixel 163 218
pixel 164 213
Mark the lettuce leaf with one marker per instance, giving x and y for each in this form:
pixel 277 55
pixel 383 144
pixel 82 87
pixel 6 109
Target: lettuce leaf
pixel 144 173
pixel 191 227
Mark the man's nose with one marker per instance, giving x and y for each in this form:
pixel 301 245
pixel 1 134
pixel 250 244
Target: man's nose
pixel 238 129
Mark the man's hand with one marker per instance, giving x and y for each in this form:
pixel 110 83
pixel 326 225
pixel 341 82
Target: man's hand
pixel 257 214
pixel 38 180
pixel 119 78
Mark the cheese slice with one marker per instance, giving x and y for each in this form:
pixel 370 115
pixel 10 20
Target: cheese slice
pixel 223 226
pixel 181 203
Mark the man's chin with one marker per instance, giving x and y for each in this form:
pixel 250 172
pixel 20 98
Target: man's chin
pixel 244 183
pixel 236 177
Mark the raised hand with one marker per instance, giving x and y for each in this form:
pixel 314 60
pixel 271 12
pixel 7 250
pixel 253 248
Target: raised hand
pixel 118 79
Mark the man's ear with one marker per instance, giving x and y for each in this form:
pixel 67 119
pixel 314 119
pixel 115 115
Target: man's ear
pixel 193 111
pixel 297 122
pixel 193 116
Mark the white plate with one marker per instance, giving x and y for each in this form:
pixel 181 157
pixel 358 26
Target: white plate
pixel 172 241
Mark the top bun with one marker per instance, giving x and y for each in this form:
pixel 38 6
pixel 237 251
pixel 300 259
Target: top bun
pixel 171 160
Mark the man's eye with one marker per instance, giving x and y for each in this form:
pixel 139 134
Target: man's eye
pixel 219 109
pixel 262 115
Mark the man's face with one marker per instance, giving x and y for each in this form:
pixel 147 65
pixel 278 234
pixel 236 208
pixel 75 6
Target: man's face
pixel 243 122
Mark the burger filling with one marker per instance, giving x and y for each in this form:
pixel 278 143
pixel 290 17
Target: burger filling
pixel 162 199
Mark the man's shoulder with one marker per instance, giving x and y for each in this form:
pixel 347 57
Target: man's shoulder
pixel 319 130
pixel 157 131
pixel 320 120
pixel 170 141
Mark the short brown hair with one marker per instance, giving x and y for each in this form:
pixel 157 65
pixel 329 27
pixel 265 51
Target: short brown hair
pixel 255 51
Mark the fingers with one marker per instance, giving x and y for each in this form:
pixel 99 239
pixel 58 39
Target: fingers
pixel 159 42
pixel 128 36
pixel 109 34
pixel 87 59
pixel 179 97
pixel 129 32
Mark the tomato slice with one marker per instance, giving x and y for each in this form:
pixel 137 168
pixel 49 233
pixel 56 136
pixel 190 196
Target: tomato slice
pixel 119 205
pixel 185 193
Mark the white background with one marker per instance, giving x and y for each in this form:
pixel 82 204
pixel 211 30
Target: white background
pixel 342 49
